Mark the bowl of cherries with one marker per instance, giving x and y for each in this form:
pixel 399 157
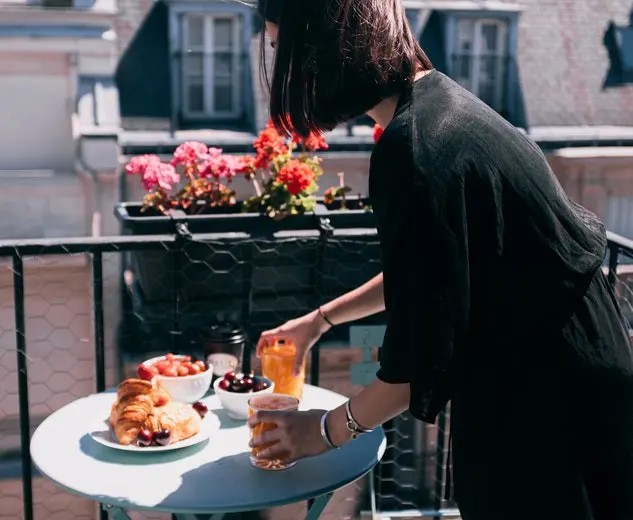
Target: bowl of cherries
pixel 235 390
pixel 184 378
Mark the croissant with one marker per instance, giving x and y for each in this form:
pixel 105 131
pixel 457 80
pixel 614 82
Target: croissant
pixel 143 405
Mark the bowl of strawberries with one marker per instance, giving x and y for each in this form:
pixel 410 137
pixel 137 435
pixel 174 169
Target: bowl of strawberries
pixel 183 377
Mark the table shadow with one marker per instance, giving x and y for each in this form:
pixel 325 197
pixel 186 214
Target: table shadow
pixel 226 423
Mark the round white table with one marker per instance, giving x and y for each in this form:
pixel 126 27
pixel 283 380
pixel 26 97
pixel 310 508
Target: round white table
pixel 214 477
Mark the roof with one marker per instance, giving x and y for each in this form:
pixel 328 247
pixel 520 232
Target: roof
pixel 565 66
pixel 568 69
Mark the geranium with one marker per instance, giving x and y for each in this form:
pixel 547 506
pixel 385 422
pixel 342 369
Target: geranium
pixel 377 132
pixel 155 175
pixel 269 144
pixel 312 143
pixel 297 176
pixel 283 171
pixel 189 154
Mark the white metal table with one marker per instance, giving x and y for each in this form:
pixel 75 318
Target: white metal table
pixel 212 478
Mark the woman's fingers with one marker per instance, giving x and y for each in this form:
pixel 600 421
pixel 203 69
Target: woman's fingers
pixel 268 437
pixel 277 451
pixel 300 359
pixel 265 338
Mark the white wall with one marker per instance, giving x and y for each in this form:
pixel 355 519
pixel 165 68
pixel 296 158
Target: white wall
pixel 35 112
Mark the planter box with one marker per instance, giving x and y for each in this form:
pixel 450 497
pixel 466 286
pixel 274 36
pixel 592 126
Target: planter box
pixel 254 269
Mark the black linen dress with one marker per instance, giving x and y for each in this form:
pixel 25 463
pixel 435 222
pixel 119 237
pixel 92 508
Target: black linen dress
pixel 496 301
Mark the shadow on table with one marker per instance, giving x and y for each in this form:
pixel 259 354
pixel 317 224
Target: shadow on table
pixel 226 423
pixel 219 473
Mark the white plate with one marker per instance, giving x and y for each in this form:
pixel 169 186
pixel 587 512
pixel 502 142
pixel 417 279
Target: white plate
pixel 103 434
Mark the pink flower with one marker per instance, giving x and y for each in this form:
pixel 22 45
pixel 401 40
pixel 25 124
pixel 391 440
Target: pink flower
pixel 220 166
pixel 140 163
pixel 189 154
pixel 160 176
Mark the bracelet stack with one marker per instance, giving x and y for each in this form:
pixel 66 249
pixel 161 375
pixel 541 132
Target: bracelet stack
pixel 324 433
pixel 352 426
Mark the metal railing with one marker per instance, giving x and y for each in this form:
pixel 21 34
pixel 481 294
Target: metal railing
pixel 408 481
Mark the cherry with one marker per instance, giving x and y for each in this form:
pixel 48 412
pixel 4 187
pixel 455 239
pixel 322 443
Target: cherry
pixel 144 438
pixel 201 408
pixel 144 372
pixel 230 376
pixel 261 385
pixel 224 384
pixel 248 383
pixel 162 438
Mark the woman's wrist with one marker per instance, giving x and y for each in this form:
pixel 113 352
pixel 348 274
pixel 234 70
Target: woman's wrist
pixel 336 426
pixel 321 323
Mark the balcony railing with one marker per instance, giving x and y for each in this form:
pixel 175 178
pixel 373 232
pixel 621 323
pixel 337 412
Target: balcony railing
pixel 71 324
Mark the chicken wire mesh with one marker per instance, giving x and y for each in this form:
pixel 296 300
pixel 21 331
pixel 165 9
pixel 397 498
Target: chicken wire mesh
pixel 154 295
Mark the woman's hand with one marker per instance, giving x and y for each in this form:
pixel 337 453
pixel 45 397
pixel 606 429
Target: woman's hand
pixel 304 332
pixel 297 435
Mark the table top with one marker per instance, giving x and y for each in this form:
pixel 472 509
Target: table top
pixel 213 477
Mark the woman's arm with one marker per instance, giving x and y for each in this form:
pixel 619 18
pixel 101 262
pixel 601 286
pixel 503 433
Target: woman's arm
pixel 366 300
pixel 373 406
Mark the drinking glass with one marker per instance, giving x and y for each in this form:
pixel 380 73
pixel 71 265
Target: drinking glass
pixel 277 362
pixel 280 402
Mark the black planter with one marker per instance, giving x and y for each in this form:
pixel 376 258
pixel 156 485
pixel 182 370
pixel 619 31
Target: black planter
pixel 248 267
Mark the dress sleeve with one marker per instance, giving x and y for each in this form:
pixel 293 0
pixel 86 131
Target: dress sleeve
pixel 424 240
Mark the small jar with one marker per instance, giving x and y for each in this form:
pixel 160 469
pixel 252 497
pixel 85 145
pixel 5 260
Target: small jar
pixel 223 346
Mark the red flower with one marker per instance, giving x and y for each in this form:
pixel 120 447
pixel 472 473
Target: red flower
pixel 244 164
pixel 377 133
pixel 269 144
pixel 312 143
pixel 296 176
pixel 190 153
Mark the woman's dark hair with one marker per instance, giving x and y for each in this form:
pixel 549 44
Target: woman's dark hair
pixel 337 59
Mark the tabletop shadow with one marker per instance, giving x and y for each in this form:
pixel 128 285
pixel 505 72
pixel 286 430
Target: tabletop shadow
pixel 102 453
pixel 226 423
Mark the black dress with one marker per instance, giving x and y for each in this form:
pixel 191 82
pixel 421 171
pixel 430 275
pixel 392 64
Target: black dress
pixel 496 300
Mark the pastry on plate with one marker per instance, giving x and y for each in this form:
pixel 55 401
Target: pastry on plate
pixel 145 414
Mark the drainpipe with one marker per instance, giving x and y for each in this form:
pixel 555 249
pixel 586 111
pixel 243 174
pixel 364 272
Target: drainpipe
pixel 90 175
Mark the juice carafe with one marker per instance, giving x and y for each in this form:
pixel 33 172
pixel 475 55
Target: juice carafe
pixel 277 361
pixel 269 402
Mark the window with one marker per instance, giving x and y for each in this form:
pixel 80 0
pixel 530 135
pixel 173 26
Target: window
pixel 211 67
pixel 480 61
pixel 624 38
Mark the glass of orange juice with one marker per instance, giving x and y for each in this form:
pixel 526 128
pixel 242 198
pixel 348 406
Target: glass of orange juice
pixel 280 402
pixel 277 362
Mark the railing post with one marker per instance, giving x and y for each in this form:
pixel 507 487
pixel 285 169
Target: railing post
pixel 23 386
pixel 97 309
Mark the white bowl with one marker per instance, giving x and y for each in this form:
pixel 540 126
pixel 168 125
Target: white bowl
pixel 235 403
pixel 184 389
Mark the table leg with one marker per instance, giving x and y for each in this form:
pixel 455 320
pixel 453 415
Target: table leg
pixel 115 513
pixel 318 506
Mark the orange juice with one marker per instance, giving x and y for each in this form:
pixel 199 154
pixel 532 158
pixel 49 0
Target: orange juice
pixel 277 362
pixel 279 402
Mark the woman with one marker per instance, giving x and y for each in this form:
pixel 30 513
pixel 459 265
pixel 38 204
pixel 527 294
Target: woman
pixel 491 279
